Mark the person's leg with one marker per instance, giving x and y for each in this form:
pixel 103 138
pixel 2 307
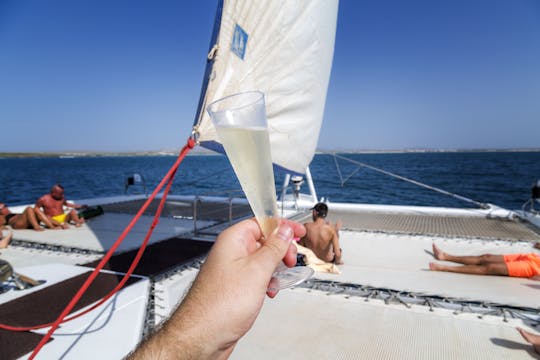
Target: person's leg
pixel 26 220
pixel 487 269
pixel 531 338
pixel 468 260
pixel 4 240
pixel 32 221
pixel 41 217
pixel 73 216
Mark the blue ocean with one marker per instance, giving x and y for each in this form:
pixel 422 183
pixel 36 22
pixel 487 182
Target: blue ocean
pixel 501 178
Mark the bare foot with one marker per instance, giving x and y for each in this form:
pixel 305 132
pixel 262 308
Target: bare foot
pixel 5 240
pixel 438 253
pixel 79 223
pixel 434 266
pixel 39 228
pixel 531 339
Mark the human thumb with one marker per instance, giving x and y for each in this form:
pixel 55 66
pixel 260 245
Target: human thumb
pixel 275 247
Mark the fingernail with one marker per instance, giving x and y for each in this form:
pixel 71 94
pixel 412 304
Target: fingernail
pixel 285 232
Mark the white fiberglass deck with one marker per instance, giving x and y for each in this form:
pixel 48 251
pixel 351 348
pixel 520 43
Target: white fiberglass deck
pixel 100 233
pixel 102 333
pixel 303 324
pixel 401 262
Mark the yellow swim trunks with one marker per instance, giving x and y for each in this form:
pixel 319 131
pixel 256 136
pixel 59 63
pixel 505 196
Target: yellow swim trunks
pixel 60 218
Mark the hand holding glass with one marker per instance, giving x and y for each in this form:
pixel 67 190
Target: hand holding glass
pixel 240 122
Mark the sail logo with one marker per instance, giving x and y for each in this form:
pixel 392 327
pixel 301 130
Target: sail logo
pixel 239 41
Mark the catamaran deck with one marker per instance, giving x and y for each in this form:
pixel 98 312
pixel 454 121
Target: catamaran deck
pixel 384 304
pixel 452 225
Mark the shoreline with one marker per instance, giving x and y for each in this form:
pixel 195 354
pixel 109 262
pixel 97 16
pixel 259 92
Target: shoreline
pixel 199 152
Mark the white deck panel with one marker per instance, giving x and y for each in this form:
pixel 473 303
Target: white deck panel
pixel 400 262
pixel 100 233
pixel 298 324
pixel 170 291
pixel 102 333
pixel 19 257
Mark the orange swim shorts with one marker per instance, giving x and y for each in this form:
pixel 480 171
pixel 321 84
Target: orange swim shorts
pixel 522 265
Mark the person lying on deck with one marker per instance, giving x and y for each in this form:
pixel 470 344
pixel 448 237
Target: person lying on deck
pixel 531 338
pixel 515 265
pixel 226 296
pixel 53 207
pixel 322 237
pixel 29 219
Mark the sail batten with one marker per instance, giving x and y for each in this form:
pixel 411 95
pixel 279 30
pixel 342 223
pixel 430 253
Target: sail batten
pixel 284 49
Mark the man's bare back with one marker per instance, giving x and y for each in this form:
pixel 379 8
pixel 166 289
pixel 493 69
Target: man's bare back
pixel 322 237
pixel 319 239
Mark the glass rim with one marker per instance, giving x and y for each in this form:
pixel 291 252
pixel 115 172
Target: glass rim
pixel 251 92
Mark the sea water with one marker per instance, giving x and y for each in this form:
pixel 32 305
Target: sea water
pixel 502 178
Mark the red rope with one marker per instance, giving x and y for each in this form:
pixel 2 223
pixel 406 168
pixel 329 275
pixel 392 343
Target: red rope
pixel 168 179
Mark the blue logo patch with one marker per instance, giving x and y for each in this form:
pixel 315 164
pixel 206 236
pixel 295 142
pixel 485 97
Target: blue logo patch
pixel 239 42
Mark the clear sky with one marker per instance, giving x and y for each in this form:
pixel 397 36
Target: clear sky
pixel 105 75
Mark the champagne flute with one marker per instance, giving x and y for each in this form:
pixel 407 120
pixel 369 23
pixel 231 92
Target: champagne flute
pixel 240 122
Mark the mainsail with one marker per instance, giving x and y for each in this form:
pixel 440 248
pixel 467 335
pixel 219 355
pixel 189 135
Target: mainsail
pixel 283 48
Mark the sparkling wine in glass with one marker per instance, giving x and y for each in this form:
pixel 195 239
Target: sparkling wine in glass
pixel 240 122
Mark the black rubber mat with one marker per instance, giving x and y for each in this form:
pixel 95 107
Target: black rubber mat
pixel 44 306
pixel 158 257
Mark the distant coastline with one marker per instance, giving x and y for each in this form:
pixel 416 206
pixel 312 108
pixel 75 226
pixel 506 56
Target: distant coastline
pixel 404 151
pixel 202 151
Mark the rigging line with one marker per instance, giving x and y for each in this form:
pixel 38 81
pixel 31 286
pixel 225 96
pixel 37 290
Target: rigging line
pixel 340 175
pixel 339 171
pixel 459 197
pixel 168 178
pixel 350 176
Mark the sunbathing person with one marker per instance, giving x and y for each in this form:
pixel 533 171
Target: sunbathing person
pixel 5 240
pixel 531 338
pixel 28 219
pixel 515 265
pixel 53 207
pixel 321 237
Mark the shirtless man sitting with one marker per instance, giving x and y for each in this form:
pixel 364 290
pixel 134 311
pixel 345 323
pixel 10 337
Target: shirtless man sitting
pixel 53 207
pixel 322 237
pixel 28 219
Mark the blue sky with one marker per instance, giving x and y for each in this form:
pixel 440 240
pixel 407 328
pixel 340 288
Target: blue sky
pixel 126 75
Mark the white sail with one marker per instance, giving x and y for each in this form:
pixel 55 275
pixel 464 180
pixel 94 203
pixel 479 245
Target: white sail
pixel 283 48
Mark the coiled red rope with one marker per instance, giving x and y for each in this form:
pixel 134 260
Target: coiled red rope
pixel 167 180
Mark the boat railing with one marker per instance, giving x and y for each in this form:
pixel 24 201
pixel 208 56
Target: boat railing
pixel 535 198
pixel 229 197
pixel 232 197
